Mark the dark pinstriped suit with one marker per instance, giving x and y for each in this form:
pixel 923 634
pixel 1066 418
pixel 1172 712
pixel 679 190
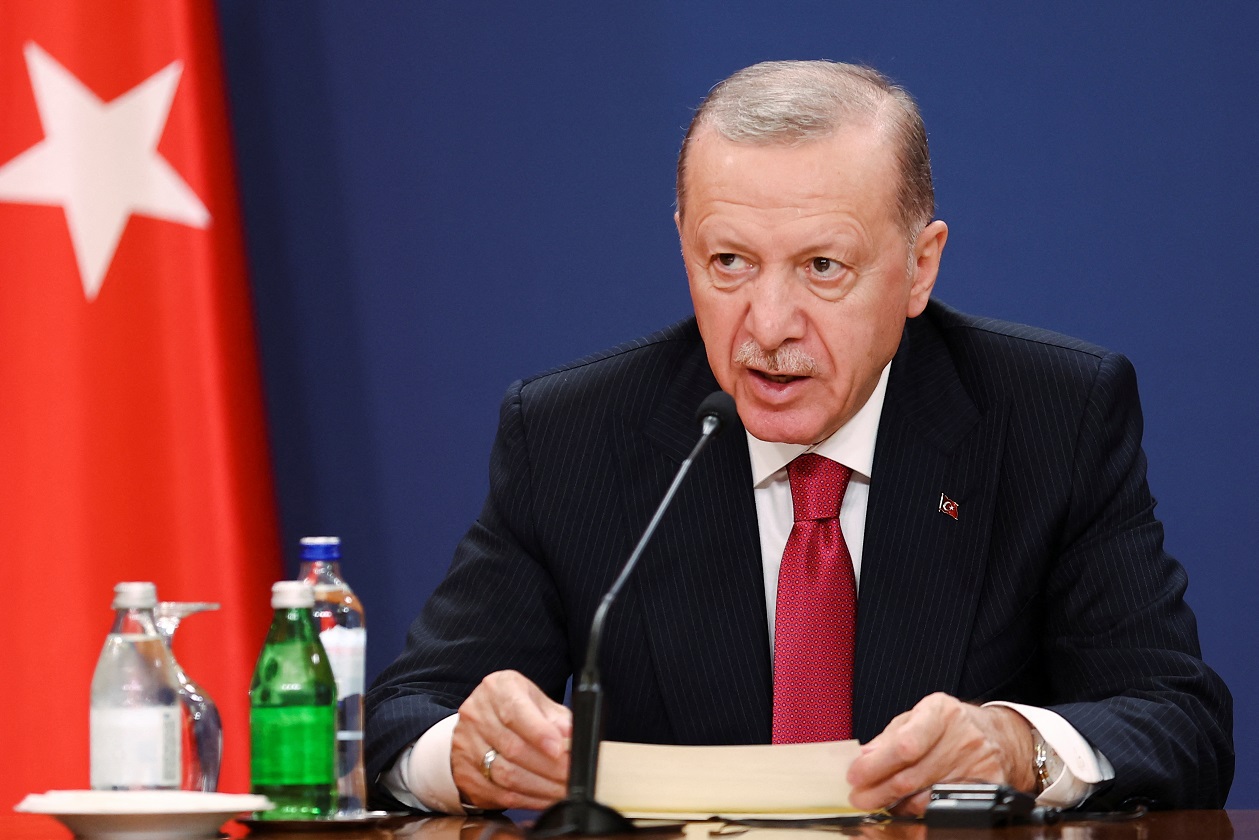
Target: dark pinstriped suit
pixel 1051 588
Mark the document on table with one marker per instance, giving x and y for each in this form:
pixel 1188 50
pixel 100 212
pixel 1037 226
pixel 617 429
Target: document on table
pixel 771 781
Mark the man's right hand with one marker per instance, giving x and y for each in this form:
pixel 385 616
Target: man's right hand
pixel 530 732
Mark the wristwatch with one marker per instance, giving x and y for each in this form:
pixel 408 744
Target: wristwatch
pixel 1042 757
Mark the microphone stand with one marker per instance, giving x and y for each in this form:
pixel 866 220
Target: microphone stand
pixel 579 813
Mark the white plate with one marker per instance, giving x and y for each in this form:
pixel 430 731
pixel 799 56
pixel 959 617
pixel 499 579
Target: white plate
pixel 142 814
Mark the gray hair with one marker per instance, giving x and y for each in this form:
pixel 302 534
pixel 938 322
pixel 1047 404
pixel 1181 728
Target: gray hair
pixel 791 102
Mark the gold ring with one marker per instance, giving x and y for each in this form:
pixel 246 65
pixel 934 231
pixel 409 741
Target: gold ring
pixel 487 764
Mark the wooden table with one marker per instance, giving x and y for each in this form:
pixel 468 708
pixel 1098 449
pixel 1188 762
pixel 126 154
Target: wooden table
pixel 1160 825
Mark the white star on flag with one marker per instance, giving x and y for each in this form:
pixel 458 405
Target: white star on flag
pixel 99 161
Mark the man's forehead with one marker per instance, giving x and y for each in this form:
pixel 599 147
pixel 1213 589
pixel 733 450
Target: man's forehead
pixel 860 147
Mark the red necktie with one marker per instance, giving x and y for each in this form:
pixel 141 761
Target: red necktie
pixel 815 628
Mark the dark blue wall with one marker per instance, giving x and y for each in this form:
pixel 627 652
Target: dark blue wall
pixel 445 196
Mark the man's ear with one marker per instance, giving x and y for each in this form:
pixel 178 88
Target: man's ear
pixel 928 249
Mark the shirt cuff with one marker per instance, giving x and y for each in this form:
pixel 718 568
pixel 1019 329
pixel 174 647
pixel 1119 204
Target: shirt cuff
pixel 1083 767
pixel 421 777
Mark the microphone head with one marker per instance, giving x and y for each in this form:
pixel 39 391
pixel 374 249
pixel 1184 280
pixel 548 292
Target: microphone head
pixel 720 407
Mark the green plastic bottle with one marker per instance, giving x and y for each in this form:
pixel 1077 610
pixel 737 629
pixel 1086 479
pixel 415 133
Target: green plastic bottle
pixel 293 712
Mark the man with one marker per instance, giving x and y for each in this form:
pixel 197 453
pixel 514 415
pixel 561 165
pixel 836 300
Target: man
pixel 1017 621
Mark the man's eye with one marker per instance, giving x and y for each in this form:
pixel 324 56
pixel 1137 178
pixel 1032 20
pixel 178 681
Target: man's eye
pixel 731 261
pixel 825 267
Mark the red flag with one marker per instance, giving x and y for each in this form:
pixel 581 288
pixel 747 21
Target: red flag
pixel 132 440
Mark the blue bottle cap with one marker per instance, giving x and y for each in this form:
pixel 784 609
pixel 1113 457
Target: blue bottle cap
pixel 321 548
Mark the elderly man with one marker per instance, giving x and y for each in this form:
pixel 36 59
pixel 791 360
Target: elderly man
pixel 935 534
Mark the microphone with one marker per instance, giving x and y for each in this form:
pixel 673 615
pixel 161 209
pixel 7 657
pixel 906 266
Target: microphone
pixel 579 813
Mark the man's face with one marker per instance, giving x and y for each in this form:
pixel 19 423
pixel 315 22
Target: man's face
pixel 800 274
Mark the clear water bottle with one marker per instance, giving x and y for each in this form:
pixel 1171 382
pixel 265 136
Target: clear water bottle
pixel 135 717
pixel 343 631
pixel 292 712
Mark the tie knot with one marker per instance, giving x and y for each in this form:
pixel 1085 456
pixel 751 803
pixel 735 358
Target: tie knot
pixel 817 486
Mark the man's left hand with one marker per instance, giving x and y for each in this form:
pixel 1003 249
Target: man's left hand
pixel 941 739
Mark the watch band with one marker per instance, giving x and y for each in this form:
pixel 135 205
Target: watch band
pixel 1040 762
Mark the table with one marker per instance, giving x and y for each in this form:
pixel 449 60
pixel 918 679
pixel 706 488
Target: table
pixel 1160 825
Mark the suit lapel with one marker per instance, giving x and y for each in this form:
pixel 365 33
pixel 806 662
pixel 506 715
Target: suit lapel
pixel 700 586
pixel 922 570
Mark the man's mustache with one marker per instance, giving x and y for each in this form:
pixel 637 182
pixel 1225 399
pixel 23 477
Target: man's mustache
pixel 787 360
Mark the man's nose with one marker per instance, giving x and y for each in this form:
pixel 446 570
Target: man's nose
pixel 773 315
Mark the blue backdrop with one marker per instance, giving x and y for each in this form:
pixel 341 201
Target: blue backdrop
pixel 442 197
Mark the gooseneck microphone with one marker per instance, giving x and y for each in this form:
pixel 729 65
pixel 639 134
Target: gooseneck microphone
pixel 579 813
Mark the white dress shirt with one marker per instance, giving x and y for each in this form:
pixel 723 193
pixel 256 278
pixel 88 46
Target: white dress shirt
pixel 421 777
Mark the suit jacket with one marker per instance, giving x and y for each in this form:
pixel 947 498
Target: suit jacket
pixel 1050 588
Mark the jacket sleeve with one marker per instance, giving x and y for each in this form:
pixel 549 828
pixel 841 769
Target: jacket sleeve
pixel 496 609
pixel 1123 658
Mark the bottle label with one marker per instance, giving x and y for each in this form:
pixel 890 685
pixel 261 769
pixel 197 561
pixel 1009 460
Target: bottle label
pixel 292 745
pixel 135 747
pixel 347 653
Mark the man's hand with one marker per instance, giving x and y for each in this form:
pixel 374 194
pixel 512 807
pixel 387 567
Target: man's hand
pixel 939 740
pixel 530 731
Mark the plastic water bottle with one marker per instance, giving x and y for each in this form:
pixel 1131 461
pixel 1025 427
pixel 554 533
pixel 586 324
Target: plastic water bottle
pixel 135 717
pixel 343 631
pixel 292 712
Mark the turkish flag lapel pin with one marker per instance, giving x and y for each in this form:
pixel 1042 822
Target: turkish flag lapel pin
pixel 948 507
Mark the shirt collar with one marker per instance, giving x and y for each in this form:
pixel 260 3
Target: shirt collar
pixel 852 444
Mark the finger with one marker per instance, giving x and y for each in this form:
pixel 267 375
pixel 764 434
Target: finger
pixel 495 798
pixel 529 756
pixel 504 785
pixel 904 743
pixel 890 792
pixel 510 714
pixel 561 717
pixel 506 774
pixel 525 711
pixel 503 713
pixel 907 756
pixel 532 732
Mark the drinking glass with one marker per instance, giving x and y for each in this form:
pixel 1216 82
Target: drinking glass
pixel 202 728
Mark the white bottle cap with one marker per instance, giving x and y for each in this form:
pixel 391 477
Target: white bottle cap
pixel 289 594
pixel 135 595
